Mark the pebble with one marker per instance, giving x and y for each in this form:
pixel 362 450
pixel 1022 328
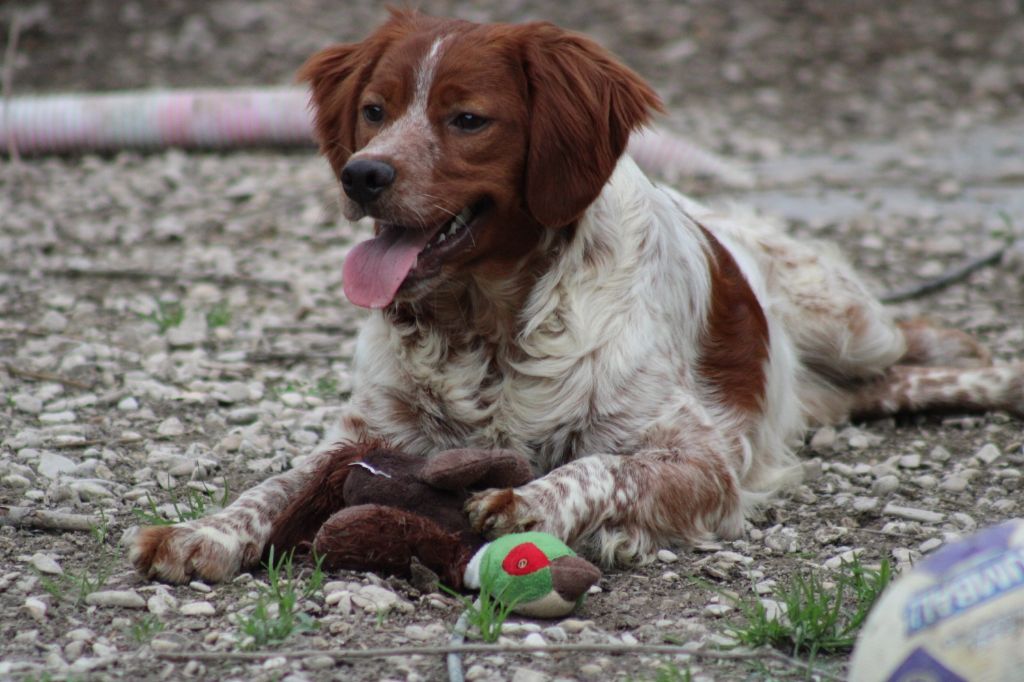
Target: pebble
pixel 865 504
pixel 25 402
pixel 929 545
pixel 128 599
pixel 910 461
pixel 63 417
pixel 836 562
pixel 171 428
pixel 51 465
pixel 318 663
pixel 44 563
pixel 200 586
pixel 956 483
pixel 53 322
pixel 885 485
pixel 36 608
pixel 667 556
pixel 197 608
pixel 555 633
pixel 926 481
pixel 161 603
pixel 575 625
pixel 913 513
pixel 423 633
pixel 372 599
pixel 242 416
pixel 129 404
pixel 717 609
pixel 81 635
pixel 989 453
pixel 534 639
pixel 824 439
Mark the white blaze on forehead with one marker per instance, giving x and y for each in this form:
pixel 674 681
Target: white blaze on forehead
pixel 410 137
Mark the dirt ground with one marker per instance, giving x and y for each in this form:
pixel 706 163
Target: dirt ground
pixel 892 129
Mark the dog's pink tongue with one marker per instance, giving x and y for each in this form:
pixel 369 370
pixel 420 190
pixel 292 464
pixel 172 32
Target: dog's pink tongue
pixel 375 269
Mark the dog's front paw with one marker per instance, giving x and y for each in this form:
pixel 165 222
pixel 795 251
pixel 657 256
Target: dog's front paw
pixel 179 553
pixel 501 511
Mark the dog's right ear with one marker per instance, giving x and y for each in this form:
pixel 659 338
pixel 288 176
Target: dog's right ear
pixel 337 76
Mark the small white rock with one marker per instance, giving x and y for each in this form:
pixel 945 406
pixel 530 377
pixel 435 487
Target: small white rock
pixel 885 485
pixel 25 402
pixel 824 439
pixel 171 427
pixel 534 639
pixel 910 461
pixel 128 599
pixel 62 417
pixel 129 404
pixel 717 609
pixel 161 603
pixel 912 513
pixel 575 625
pixel 988 453
pixel 865 504
pixel 44 563
pixel 36 608
pixel 667 556
pixel 197 608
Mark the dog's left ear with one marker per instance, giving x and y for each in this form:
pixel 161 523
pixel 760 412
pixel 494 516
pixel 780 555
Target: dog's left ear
pixel 583 105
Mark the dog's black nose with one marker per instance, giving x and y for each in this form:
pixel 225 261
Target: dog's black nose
pixel 364 179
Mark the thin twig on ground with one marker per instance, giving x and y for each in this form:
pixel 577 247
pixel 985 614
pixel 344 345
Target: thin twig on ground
pixel 270 356
pixel 957 274
pixel 40 375
pixel 173 277
pixel 42 519
pixel 650 649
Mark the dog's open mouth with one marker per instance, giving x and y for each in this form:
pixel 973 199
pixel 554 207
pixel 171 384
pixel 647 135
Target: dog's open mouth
pixel 375 269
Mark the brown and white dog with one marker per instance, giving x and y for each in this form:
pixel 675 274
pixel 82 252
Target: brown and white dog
pixel 654 358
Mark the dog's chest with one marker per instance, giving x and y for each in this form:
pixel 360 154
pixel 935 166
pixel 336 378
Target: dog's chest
pixel 551 409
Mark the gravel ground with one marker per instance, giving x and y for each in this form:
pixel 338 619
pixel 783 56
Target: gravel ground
pixel 890 128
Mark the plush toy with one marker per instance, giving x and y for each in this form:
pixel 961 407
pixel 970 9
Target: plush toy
pixel 371 508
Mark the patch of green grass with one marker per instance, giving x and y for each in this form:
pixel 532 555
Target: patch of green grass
pixel 325 387
pixel 817 618
pixel 487 614
pixel 195 505
pixel 168 314
pixel 144 628
pixel 670 672
pixel 275 614
pixel 77 585
pixel 218 316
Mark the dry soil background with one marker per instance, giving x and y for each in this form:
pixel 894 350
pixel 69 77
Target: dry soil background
pixel 890 128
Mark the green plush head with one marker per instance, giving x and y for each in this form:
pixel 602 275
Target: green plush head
pixel 536 572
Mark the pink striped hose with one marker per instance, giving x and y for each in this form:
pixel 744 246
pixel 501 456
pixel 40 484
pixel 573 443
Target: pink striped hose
pixel 230 118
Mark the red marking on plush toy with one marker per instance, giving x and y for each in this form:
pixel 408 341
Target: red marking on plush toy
pixel 525 558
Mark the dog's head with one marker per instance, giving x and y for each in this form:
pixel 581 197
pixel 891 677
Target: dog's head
pixel 465 142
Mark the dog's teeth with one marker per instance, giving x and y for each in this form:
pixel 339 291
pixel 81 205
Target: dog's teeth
pixel 441 237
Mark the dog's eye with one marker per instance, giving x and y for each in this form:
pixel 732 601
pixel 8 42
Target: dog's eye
pixel 469 122
pixel 373 113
